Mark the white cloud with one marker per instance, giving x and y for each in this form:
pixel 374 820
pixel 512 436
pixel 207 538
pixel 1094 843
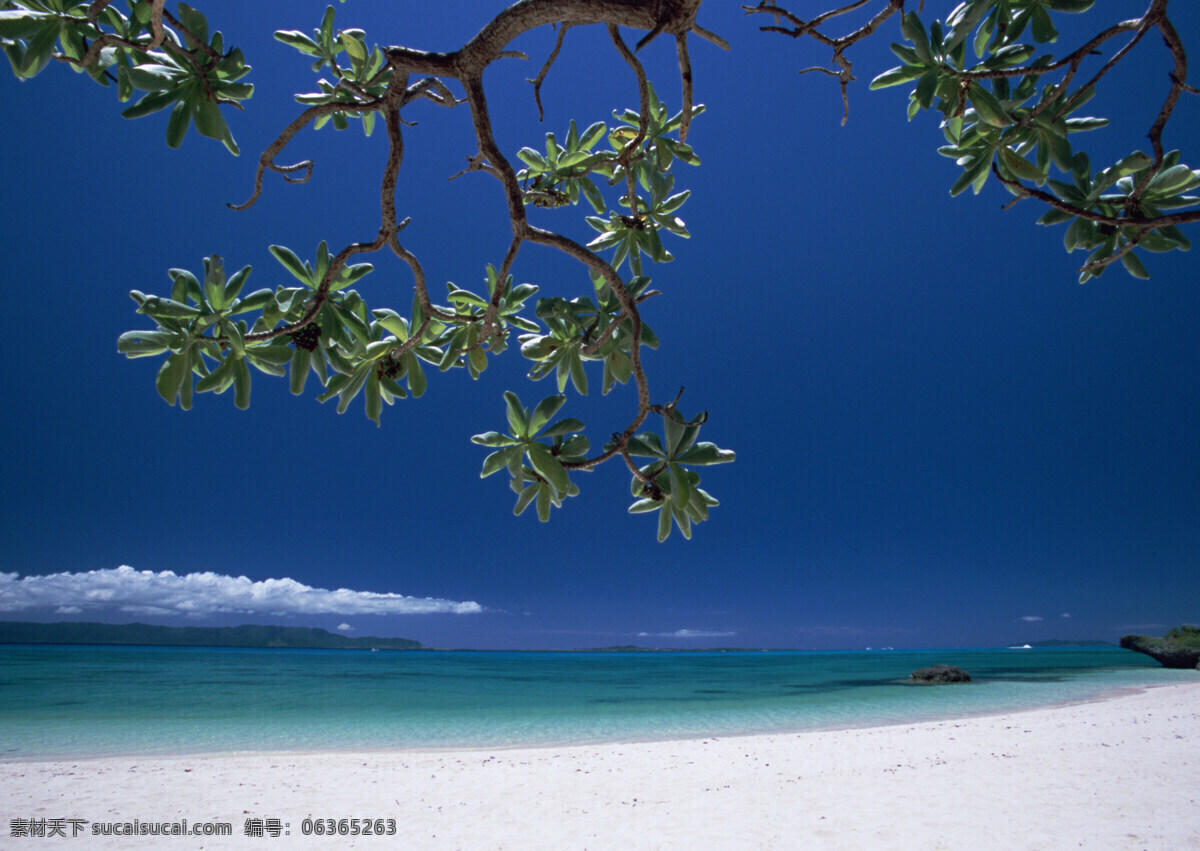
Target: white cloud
pixel 1032 618
pixel 194 594
pixel 345 627
pixel 1065 615
pixel 686 633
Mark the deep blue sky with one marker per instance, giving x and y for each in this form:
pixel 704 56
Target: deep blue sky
pixel 941 437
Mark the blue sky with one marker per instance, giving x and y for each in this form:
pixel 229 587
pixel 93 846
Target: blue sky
pixel 942 439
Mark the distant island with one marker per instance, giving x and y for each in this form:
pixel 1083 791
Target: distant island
pixel 299 637
pixel 1058 642
pixel 635 648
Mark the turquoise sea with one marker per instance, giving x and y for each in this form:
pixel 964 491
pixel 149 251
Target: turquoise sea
pixel 87 701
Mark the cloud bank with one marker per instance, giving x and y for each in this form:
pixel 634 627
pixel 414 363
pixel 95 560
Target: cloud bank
pixel 686 633
pixel 167 593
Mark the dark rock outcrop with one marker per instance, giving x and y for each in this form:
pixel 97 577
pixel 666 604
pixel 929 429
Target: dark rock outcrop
pixel 935 674
pixel 1174 651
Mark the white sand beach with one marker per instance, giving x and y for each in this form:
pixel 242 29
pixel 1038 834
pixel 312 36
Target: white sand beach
pixel 1113 774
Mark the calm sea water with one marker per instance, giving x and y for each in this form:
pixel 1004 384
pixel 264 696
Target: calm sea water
pixel 84 701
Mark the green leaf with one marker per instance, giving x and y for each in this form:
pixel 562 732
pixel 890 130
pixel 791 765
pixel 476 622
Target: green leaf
pixel 913 30
pixel 497 461
pixel 301 361
pixel 524 498
pixel 194 21
pixel 170 375
pixel 152 77
pixel 1133 265
pixel 298 40
pixel 664 522
pixel 681 486
pixel 703 454
pixel 493 438
pixel 354 48
pixel 546 409
pixel 177 124
pixel 210 122
pixel 416 375
pixel 38 51
pixel 374 397
pixel 22 22
pixel 989 109
pixel 241 384
pixel 1019 166
pixel 681 519
pixel 352 387
pixel 518 416
pixel 1081 125
pixel 220 378
pixel 288 259
pixel 897 76
pixel 974 170
pixel 141 344
pixel 646 445
pixel 563 426
pixel 547 466
pixel 152 102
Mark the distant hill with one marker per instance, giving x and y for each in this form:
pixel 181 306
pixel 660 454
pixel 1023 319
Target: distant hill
pixel 1058 642
pixel 16 632
pixel 634 648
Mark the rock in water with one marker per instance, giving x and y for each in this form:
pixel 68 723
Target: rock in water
pixel 940 674
pixel 1178 650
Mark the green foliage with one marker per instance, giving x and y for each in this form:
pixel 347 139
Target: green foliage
pixel 1008 110
pixel 361 82
pixel 536 466
pixel 1001 118
pixel 324 329
pixel 558 177
pixel 666 484
pixel 573 325
pixel 187 70
pixel 1185 636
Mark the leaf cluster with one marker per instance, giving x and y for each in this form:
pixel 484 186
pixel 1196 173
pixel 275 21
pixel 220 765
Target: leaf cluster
pixel 359 84
pixel 1001 117
pixel 639 158
pixel 212 338
pixel 206 344
pixel 536 466
pixel 540 468
pixel 581 329
pixel 667 484
pixel 185 68
pixel 1131 184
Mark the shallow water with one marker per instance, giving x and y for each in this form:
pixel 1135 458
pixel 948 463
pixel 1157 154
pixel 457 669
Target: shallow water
pixel 81 701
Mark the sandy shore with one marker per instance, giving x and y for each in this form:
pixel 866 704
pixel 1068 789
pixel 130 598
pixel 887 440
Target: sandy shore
pixel 1115 774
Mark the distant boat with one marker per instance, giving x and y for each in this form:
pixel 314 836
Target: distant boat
pixel 1021 647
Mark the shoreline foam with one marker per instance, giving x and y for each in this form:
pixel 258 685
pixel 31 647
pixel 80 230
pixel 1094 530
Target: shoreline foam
pixel 1111 774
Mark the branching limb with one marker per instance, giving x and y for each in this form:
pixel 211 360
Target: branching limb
pixel 267 159
pixel 540 78
pixel 800 28
pixel 359 348
pixel 1158 13
pixel 685 76
pixel 626 155
pixel 1099 218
